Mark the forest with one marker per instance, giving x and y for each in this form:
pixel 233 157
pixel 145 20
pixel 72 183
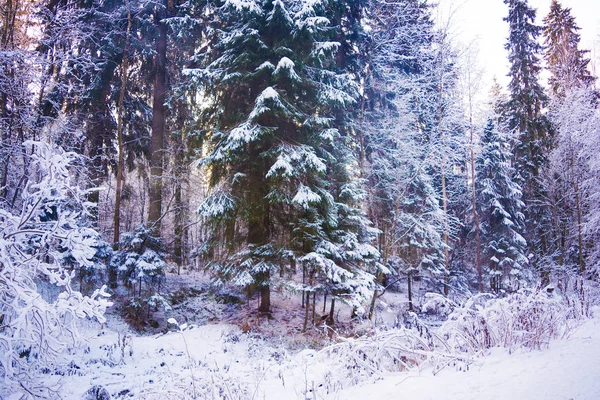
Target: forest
pixel 297 164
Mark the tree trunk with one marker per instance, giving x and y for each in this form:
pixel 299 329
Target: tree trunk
pixel 475 213
pixel 180 208
pixel 446 235
pixel 314 307
pixel 330 319
pixel 386 254
pixel 306 311
pixel 158 126
pixel 410 292
pixel 121 161
pixel 303 283
pixel 265 294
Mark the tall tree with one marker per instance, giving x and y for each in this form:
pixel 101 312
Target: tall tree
pixel 526 120
pixel 568 64
pixel 159 97
pixel 280 186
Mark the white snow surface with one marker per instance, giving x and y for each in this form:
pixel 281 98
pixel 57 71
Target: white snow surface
pixel 568 369
pixel 219 361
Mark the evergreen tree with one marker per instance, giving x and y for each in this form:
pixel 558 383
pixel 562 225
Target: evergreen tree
pixel 566 62
pixel 500 211
pixel 527 96
pixel 278 168
pixel 525 119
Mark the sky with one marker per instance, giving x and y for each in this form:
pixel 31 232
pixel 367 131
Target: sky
pixel 479 26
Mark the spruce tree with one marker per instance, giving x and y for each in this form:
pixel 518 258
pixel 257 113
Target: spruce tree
pixel 566 62
pixel 526 120
pixel 281 188
pixel 527 97
pixel 500 210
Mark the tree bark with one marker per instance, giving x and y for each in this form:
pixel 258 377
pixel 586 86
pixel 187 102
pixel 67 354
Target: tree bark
pixel 265 294
pixel 121 160
pixel 158 126
pixel 410 292
pixel 474 200
pixel 306 311
pixel 180 207
pixel 443 171
pixel 330 319
pixel 579 230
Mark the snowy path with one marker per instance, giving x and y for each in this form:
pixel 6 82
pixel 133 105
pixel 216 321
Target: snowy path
pixel 569 369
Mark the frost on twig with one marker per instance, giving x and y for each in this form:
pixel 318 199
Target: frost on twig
pixel 37 334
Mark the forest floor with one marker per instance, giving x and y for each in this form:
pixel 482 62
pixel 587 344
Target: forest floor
pixel 223 350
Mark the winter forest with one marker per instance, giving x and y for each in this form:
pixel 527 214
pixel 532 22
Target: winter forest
pixel 294 199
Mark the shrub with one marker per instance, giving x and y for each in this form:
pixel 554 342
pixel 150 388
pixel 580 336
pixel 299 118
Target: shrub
pixel 36 333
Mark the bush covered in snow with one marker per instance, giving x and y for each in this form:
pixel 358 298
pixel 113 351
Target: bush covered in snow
pixel 528 318
pixel 36 333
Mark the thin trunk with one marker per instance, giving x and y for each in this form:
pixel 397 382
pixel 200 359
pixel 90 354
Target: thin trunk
pixel 474 199
pixel 121 161
pixel 330 319
pixel 374 298
pixel 386 255
pixel 410 293
pixel 307 304
pixel 361 131
pixel 8 28
pixel 579 231
pixel 306 311
pixel 180 209
pixel 314 308
pixel 578 210
pixel 303 283
pixel 443 172
pixel 6 43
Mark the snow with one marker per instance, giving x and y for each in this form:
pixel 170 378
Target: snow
pixel 244 6
pixel 567 370
pixel 295 159
pixel 210 360
pixel 265 66
pixel 286 66
pixel 269 95
pixel 305 197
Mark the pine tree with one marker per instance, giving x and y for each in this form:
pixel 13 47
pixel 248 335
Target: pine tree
pixel 278 167
pixel 500 210
pixel 566 62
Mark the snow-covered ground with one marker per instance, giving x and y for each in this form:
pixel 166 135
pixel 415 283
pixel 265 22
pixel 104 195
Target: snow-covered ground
pixel 568 369
pixel 219 361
